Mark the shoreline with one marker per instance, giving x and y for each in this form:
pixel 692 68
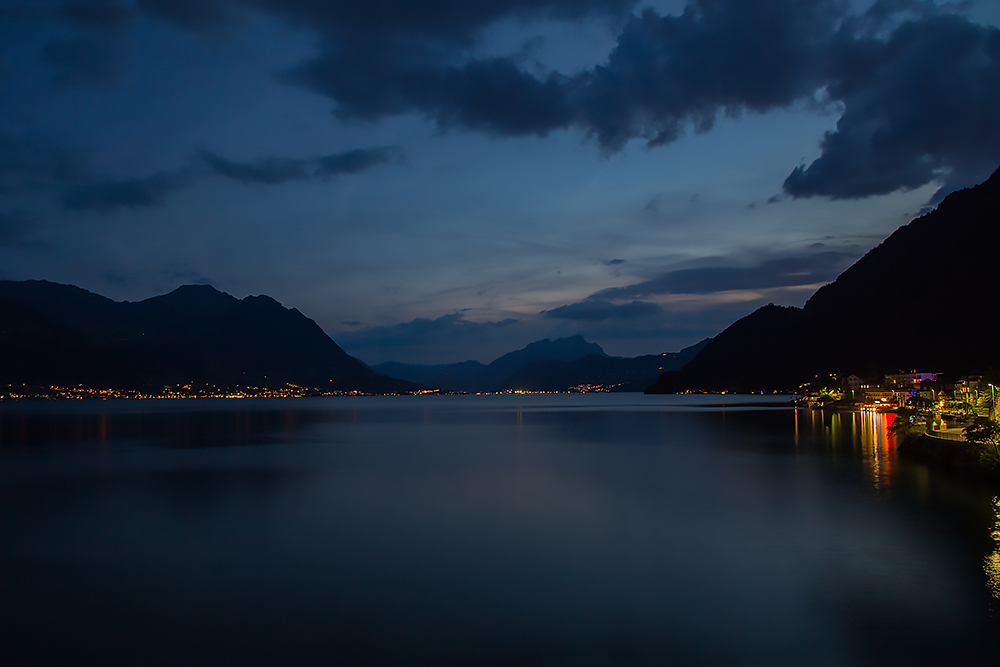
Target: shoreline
pixel 951 456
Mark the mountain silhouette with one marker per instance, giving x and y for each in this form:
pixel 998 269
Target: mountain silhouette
pixel 614 373
pixel 561 349
pixel 61 334
pixel 924 298
pixel 545 365
pixel 473 376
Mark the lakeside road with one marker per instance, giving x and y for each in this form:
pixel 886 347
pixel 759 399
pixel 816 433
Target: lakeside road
pixel 949 434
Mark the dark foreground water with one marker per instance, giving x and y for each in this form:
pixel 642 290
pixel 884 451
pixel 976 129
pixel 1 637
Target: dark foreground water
pixel 518 530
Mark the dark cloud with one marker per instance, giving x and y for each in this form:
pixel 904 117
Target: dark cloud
pixel 354 161
pixel 917 85
pixel 925 109
pixel 389 57
pixel 276 170
pixel 109 195
pixel 719 56
pixel 498 97
pixel 597 310
pixel 83 62
pixel 493 95
pixel 266 170
pixel 820 267
pixel 666 72
pixel 613 262
pixel 26 166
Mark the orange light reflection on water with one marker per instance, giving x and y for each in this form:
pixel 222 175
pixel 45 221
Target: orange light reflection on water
pixel 863 435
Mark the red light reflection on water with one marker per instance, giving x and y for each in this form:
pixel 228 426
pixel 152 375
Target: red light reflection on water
pixel 865 436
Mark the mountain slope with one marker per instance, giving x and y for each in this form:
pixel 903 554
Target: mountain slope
pixel 473 376
pixel 924 298
pixel 614 373
pixel 561 349
pixel 60 334
pixel 545 365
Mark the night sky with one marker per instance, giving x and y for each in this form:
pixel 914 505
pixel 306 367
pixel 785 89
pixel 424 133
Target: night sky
pixel 444 180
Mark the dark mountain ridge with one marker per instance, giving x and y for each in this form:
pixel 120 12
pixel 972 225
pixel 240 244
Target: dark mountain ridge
pixel 611 373
pixel 561 349
pixel 474 376
pixel 61 334
pixel 923 298
pixel 545 365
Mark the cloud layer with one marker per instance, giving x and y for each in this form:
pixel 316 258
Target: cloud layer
pixel 915 85
pixel 274 170
pixel 598 310
pixel 711 297
pixel 919 106
pixel 106 195
pixel 27 166
pixel 791 271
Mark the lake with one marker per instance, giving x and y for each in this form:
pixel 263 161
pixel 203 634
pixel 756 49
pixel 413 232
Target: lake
pixel 597 529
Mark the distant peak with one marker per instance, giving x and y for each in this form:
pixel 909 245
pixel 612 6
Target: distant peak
pixel 196 288
pixel 561 349
pixel 198 294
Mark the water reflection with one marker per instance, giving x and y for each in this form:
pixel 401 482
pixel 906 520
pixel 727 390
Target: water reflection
pixel 483 531
pixel 190 429
pixel 867 435
pixel 992 562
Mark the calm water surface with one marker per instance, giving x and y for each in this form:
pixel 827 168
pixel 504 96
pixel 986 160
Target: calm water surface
pixel 609 529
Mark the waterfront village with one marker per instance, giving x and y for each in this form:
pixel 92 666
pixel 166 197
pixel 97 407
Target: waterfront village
pixel 206 390
pixel 941 408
